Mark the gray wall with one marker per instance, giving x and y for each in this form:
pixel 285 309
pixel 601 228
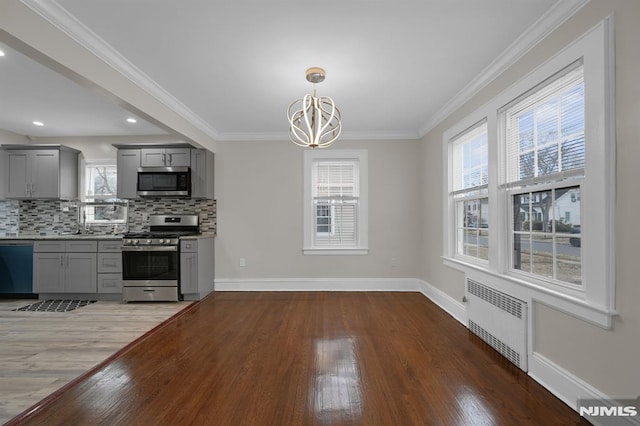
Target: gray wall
pixel 605 359
pixel 259 192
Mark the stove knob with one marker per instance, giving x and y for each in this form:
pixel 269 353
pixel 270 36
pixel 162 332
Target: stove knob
pixel 148 241
pixel 135 242
pixel 160 241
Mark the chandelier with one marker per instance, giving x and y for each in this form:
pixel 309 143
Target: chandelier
pixel 315 122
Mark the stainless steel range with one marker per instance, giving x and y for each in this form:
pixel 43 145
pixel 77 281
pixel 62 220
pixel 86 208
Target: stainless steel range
pixel 151 260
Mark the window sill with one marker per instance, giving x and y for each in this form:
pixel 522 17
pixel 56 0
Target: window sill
pixel 333 251
pixel 573 305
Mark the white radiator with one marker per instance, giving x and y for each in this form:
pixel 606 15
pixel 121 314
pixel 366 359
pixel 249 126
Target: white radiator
pixel 500 320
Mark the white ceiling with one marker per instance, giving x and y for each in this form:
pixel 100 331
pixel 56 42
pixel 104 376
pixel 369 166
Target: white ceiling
pixel 31 92
pixel 392 65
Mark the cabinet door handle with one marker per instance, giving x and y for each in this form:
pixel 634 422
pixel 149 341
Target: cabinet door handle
pixel 62 261
pixel 164 158
pixel 33 188
pixel 170 159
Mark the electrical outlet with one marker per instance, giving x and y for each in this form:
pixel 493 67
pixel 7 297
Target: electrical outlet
pixel 56 218
pixel 243 262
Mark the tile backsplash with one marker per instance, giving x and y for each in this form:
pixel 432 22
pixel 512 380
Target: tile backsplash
pixel 9 216
pixel 53 217
pixel 140 209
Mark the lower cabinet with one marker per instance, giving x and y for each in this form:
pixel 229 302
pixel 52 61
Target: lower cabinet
pixel 65 267
pixel 110 266
pixel 188 273
pixel 48 272
pixel 78 266
pixel 196 267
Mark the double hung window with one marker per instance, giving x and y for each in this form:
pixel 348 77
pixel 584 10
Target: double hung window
pixel 101 205
pixel 545 146
pixel 469 192
pixel 335 201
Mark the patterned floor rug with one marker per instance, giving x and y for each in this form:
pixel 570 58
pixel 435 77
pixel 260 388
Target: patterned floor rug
pixel 55 305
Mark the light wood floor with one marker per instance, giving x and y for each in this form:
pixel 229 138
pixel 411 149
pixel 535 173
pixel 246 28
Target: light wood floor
pixel 42 351
pixel 308 359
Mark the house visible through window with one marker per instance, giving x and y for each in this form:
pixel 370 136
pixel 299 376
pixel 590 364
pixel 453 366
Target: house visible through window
pixel 543 243
pixel 336 201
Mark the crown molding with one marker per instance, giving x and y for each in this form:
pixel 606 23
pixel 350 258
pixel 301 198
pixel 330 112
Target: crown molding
pixel 352 135
pixel 545 25
pixel 60 18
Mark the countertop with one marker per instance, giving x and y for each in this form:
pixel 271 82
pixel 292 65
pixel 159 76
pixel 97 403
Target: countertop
pixel 38 237
pixel 198 236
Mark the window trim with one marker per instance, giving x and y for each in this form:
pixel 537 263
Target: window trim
pixel 595 301
pixel 361 155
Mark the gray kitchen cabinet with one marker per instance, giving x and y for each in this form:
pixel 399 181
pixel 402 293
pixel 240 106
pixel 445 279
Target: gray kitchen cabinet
pixel 196 268
pixel 41 172
pixel 128 162
pixel 165 157
pixel 202 174
pixel 110 283
pixel 48 273
pixel 110 266
pixel 65 266
pixel 189 273
pixel 80 273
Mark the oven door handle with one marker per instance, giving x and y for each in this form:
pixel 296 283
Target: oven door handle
pixel 150 248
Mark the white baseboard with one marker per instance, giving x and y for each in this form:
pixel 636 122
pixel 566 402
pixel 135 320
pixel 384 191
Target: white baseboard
pixel 570 388
pixel 318 284
pixel 440 298
pixel 560 382
pixel 450 305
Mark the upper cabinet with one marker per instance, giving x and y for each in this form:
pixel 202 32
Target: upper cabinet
pixel 202 174
pixel 40 172
pixel 166 157
pixel 128 162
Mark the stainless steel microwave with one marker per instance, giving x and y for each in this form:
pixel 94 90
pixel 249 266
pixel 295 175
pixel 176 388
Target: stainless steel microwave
pixel 164 182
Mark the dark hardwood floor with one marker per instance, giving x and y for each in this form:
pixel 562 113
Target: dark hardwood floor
pixel 307 359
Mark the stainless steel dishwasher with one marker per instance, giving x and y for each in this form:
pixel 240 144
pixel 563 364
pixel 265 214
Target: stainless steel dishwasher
pixel 16 268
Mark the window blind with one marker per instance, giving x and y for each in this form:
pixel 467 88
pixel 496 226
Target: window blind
pixel 545 130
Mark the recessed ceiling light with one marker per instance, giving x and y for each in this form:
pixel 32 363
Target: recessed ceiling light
pixel 1 52
pixel 38 123
pixel 132 120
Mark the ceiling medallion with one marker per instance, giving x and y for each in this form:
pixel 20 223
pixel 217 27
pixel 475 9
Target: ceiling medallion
pixel 315 122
